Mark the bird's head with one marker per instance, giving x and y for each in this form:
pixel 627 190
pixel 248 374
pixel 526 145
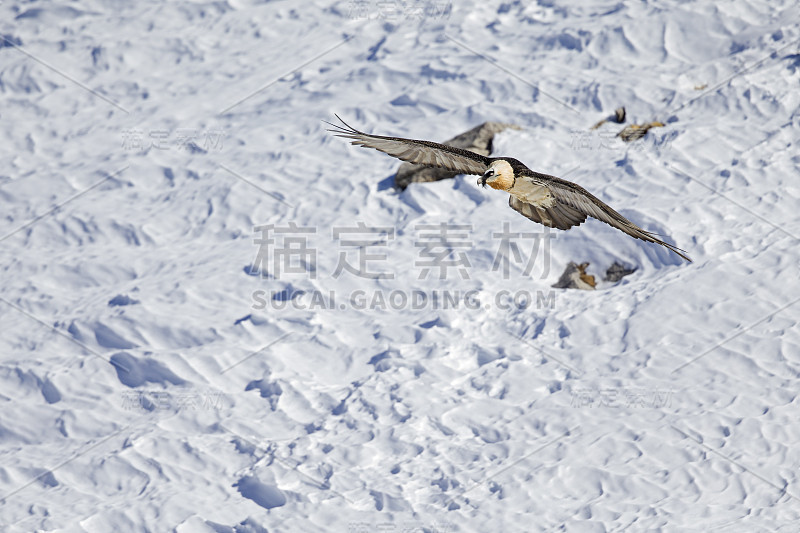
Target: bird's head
pixel 499 175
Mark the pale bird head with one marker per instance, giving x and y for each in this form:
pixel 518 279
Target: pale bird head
pixel 499 176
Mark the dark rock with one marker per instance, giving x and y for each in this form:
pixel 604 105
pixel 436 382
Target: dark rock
pixel 618 117
pixel 575 277
pixel 637 131
pixel 617 271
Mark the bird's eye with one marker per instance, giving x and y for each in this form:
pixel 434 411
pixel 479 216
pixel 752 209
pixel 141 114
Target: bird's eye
pixel 490 172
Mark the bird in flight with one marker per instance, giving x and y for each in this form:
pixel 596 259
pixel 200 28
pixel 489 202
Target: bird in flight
pixel 548 200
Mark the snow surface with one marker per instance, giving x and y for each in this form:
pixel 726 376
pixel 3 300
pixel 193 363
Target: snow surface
pixel 141 388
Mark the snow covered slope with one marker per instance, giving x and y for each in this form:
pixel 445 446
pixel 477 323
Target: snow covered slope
pixel 162 368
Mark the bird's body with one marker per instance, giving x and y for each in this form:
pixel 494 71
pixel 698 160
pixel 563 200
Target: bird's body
pixel 545 199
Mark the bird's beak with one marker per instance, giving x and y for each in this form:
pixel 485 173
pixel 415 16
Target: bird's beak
pixel 482 181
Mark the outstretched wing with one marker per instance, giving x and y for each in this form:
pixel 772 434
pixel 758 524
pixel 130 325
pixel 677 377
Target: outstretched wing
pixel 564 204
pixel 420 152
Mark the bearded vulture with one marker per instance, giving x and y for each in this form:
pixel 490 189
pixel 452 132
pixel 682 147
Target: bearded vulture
pixel 548 200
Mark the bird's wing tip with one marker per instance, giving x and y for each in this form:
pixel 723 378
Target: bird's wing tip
pixel 339 130
pixel 345 126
